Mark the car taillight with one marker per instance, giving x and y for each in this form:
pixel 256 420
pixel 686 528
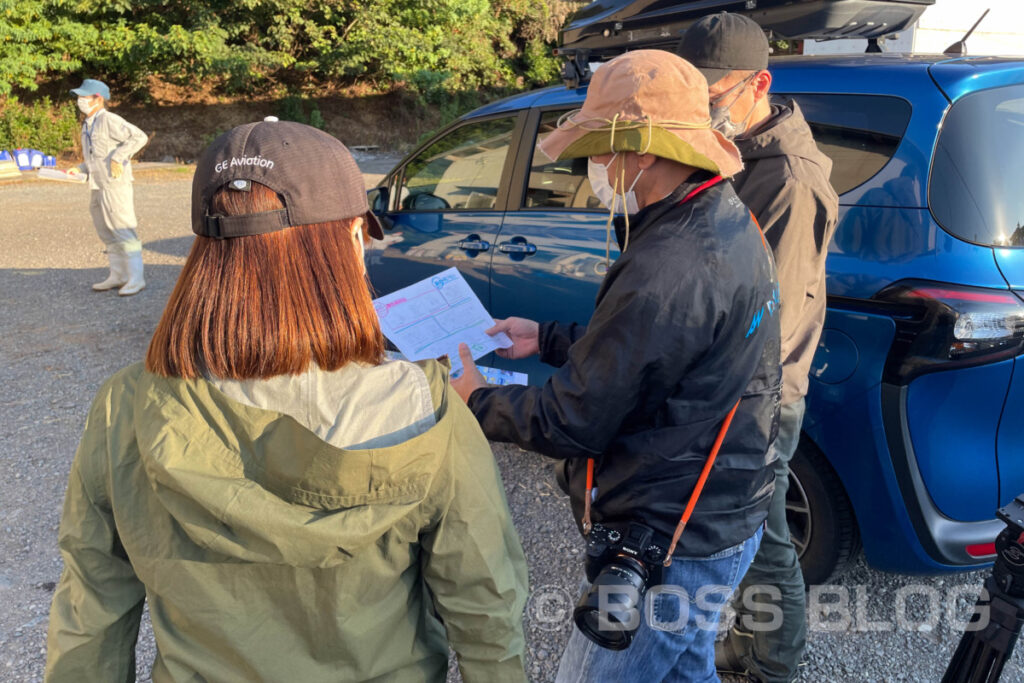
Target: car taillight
pixel 940 325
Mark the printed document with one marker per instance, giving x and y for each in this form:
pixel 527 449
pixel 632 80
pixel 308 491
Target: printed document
pixel 499 377
pixel 430 318
pixel 491 375
pixel 61 176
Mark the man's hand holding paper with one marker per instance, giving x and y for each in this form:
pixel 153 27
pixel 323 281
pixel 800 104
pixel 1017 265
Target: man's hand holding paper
pixel 525 336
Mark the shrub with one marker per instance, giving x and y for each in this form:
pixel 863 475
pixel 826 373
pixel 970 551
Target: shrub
pixel 293 108
pixel 255 45
pixel 53 129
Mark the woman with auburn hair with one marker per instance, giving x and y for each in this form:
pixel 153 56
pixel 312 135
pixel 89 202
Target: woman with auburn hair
pixel 290 505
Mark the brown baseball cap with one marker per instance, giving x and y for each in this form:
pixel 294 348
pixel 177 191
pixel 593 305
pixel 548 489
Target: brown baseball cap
pixel 313 172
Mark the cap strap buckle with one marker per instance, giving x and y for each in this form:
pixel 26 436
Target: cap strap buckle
pixel 225 227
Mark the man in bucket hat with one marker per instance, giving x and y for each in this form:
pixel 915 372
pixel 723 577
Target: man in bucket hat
pixel 786 184
pixel 108 144
pixel 683 332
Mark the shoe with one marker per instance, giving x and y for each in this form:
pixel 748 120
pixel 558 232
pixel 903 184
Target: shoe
pixel 729 654
pixel 135 281
pixel 117 277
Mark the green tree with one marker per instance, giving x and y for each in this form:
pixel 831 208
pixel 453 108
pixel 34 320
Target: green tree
pixel 37 43
pixel 251 45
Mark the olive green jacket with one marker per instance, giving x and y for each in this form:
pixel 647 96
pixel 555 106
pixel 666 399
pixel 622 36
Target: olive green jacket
pixel 266 554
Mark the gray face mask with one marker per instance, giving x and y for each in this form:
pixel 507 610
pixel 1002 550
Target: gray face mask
pixel 720 119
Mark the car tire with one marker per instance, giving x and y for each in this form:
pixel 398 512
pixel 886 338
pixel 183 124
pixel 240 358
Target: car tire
pixel 821 520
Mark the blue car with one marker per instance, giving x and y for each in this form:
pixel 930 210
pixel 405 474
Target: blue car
pixel 914 432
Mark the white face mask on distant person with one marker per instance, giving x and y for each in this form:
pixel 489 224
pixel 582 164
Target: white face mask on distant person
pixel 624 202
pixel 720 119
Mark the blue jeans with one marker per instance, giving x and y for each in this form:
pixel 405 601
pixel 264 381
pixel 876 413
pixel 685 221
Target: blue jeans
pixel 669 645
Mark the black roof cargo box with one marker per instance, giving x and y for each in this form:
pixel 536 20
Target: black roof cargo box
pixel 609 27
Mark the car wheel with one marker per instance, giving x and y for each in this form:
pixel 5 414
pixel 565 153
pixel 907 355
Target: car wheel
pixel 821 520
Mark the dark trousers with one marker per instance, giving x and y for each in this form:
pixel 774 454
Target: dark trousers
pixel 773 654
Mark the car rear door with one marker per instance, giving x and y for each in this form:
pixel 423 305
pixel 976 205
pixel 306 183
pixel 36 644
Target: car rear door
pixel 446 206
pixel 550 256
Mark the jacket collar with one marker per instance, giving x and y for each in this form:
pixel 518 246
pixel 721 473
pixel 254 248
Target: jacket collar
pixel 648 215
pixel 90 121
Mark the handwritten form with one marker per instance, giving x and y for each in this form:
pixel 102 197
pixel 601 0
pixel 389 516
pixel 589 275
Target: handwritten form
pixel 430 318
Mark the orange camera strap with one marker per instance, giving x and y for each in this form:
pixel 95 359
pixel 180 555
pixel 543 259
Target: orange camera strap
pixel 694 496
pixel 692 503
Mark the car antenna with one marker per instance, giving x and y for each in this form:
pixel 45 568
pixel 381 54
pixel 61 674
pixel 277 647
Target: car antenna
pixel 959 48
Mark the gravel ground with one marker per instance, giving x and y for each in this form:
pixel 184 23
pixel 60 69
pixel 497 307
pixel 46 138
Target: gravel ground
pixel 59 341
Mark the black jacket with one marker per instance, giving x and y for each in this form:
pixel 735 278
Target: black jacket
pixel 684 325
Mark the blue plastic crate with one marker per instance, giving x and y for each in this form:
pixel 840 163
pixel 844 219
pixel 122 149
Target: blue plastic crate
pixel 23 158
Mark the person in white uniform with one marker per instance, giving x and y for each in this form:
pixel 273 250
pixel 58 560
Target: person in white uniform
pixel 108 144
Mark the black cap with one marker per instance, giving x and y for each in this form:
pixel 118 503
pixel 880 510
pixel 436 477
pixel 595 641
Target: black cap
pixel 724 42
pixel 313 172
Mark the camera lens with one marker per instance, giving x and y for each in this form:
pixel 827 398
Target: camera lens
pixel 610 612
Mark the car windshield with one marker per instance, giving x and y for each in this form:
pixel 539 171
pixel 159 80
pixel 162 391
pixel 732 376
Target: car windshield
pixel 976 190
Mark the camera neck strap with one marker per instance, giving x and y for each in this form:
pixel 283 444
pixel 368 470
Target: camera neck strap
pixel 694 495
pixel 699 486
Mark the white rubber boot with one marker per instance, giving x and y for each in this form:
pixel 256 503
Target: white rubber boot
pixel 118 273
pixel 135 282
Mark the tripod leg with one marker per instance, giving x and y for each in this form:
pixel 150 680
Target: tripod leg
pixel 982 653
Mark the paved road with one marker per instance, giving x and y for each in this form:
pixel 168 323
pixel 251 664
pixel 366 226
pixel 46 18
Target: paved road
pixel 59 340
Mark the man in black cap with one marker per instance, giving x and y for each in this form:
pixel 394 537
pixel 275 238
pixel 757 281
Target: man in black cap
pixel 785 183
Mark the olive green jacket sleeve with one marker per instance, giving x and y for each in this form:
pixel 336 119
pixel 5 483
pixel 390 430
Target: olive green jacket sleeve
pixel 97 606
pixel 478 592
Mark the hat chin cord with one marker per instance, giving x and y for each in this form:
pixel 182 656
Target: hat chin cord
pixel 620 190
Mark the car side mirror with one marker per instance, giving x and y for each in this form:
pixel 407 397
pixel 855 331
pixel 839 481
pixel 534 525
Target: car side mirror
pixel 424 201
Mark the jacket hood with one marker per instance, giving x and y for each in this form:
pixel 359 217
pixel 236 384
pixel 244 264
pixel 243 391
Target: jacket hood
pixel 785 133
pixel 258 486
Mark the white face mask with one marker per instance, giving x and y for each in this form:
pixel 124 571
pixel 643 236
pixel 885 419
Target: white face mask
pixel 720 119
pixel 85 105
pixel 605 193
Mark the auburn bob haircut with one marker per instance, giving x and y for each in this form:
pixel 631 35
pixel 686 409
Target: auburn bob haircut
pixel 264 305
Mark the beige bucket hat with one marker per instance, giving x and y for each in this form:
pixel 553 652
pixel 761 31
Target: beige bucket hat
pixel 647 101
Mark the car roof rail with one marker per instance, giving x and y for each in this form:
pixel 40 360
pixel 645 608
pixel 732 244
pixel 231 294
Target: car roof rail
pixel 576 67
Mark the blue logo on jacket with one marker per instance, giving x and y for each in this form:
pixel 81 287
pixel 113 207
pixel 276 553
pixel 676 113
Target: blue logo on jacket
pixel 769 307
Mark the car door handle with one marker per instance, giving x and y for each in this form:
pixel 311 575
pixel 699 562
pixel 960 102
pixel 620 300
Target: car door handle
pixel 523 248
pixel 474 243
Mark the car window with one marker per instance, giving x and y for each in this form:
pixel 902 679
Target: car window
pixel 460 171
pixel 860 133
pixel 558 184
pixel 976 180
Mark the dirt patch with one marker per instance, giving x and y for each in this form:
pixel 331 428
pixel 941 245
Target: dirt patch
pixel 389 121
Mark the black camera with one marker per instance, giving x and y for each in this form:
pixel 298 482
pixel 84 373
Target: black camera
pixel 620 569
